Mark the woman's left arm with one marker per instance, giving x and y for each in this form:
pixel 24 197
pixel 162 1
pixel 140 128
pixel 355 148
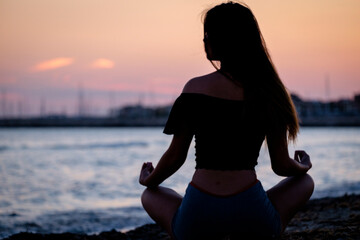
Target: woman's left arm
pixel 169 163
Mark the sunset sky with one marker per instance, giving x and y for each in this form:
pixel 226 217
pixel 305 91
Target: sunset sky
pixel 116 52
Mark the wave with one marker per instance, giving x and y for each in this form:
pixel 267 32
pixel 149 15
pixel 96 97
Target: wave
pixel 338 189
pixel 3 148
pixel 97 145
pixel 77 221
pixel 76 146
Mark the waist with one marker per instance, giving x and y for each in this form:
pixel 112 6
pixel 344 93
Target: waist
pixel 229 160
pixel 224 183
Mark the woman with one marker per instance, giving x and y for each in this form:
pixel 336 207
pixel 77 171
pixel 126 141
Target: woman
pixel 230 112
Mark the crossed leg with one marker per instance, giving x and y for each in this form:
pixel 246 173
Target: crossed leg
pixel 161 204
pixel 289 195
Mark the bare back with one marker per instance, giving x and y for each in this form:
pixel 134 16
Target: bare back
pixel 215 181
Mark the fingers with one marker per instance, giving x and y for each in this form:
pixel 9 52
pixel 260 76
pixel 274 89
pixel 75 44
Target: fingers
pixel 302 157
pixel 146 169
pixel 297 155
pixel 151 166
pixel 147 165
pixel 305 158
pixel 145 172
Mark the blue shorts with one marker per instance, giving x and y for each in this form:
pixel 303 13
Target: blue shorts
pixel 204 216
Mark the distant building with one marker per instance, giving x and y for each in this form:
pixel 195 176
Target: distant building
pixel 141 115
pixel 357 101
pixel 336 113
pixel 344 112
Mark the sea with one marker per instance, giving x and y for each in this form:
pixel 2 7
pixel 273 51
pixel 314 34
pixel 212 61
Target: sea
pixel 85 180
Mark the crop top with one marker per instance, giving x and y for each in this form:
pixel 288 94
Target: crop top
pixel 228 133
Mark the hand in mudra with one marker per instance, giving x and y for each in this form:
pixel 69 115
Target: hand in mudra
pixel 146 170
pixel 303 158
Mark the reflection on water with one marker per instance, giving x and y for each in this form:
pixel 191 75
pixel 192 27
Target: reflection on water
pixel 86 179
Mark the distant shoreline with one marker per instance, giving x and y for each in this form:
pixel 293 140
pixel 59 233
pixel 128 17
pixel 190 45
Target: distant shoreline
pixel 333 121
pixel 81 122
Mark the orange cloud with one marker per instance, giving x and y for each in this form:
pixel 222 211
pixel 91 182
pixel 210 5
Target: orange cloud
pixel 103 63
pixel 53 64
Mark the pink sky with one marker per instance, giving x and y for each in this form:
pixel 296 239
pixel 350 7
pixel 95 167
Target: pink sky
pixel 119 52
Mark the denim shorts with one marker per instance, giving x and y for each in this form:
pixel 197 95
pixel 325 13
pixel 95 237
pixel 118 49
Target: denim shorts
pixel 205 216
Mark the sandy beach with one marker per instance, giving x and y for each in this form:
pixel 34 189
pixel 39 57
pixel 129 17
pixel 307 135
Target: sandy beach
pixel 325 218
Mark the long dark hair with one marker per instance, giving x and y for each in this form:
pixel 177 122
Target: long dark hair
pixel 236 42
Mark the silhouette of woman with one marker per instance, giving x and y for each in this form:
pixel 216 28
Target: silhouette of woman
pixel 230 112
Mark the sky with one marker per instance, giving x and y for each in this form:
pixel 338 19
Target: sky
pixel 101 54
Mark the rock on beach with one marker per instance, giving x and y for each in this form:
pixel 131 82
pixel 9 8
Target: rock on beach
pixel 325 218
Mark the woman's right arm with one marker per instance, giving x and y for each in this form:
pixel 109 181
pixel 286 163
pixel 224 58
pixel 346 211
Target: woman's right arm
pixel 281 162
pixel 169 163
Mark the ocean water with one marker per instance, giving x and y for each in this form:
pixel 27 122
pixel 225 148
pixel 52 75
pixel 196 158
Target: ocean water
pixel 85 180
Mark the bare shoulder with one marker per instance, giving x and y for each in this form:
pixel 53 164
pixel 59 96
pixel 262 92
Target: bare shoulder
pixel 198 84
pixel 192 85
pixel 215 84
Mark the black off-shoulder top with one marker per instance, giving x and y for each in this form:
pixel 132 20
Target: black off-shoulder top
pixel 228 133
